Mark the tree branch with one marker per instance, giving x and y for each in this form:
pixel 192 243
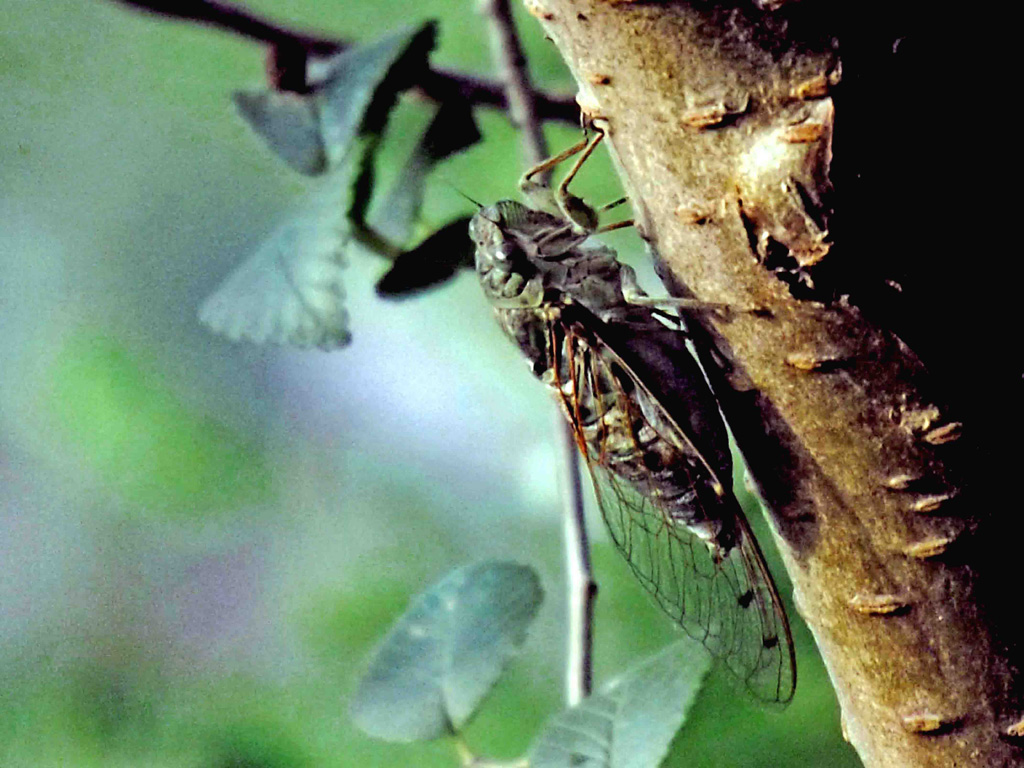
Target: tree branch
pixel 288 51
pixel 231 18
pixel 871 455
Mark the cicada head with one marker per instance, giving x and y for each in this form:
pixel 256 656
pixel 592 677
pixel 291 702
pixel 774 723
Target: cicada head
pixel 507 231
pixel 495 246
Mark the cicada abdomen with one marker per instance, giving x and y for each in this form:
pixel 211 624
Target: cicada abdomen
pixel 649 430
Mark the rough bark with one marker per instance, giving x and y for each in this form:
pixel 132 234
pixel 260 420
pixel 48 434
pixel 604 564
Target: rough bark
pixel 782 157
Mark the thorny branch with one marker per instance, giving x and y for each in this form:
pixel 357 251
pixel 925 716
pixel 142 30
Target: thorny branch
pixel 870 435
pixel 525 114
pixel 288 51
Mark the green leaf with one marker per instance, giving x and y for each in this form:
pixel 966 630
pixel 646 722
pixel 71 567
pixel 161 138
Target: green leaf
pixel 289 123
pixel 442 657
pixel 431 262
pixel 352 96
pixel 362 84
pixel 452 130
pixel 290 291
pixel 631 722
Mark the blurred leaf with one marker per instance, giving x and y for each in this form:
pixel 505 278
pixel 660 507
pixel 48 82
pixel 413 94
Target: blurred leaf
pixel 631 722
pixel 431 262
pixel 289 123
pixel 290 291
pixel 451 131
pixel 363 184
pixel 354 93
pixel 362 84
pixel 442 657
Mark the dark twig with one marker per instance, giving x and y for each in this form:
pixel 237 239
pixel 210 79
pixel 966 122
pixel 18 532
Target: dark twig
pixel 582 588
pixel 289 50
pixel 511 63
pixel 436 84
pixel 234 19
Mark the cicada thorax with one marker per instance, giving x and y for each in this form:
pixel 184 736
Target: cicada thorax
pixel 558 304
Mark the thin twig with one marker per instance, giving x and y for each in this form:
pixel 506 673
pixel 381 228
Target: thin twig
pixel 511 63
pixel 582 588
pixel 232 18
pixel 289 49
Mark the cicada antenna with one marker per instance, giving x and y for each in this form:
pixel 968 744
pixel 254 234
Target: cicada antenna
pixel 460 193
pixel 474 202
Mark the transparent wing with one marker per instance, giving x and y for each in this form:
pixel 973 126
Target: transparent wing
pixel 727 603
pixel 720 594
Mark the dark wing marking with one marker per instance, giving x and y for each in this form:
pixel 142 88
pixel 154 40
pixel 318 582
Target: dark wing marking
pixel 724 599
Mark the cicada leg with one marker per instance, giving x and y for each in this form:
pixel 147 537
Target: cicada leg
pixel 519 293
pixel 615 225
pixel 634 294
pixel 569 226
pixel 615 204
pixel 582 218
pixel 528 186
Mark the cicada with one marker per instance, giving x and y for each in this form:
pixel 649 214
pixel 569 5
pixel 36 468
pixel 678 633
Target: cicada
pixel 646 423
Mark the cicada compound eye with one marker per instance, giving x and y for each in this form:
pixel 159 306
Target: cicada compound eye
pixel 505 250
pixel 476 228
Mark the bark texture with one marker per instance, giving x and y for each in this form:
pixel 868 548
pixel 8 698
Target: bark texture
pixel 788 157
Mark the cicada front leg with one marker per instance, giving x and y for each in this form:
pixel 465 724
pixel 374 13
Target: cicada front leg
pixel 539 191
pixel 520 294
pixel 582 217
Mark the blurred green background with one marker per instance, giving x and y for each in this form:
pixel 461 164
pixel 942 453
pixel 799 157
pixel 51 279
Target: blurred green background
pixel 202 541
